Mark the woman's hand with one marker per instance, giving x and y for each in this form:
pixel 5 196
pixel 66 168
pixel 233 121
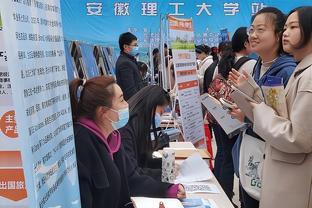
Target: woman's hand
pixel 237 114
pixel 237 78
pixel 177 170
pixel 253 105
pixel 181 192
pixel 161 205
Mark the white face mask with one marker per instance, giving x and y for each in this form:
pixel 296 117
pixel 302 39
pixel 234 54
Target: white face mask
pixel 134 51
pixel 123 118
pixel 157 120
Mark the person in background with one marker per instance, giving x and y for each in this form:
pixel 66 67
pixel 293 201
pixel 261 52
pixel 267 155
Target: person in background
pixel 214 54
pixel 127 72
pixel 212 71
pixel 140 134
pixel 265 38
pixel 241 49
pixel 171 76
pixel 106 176
pixel 156 63
pixel 239 60
pixel 205 60
pixel 221 170
pixel 224 167
pixel 169 65
pixel 143 71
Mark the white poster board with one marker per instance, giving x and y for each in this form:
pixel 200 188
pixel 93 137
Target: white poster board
pixel 32 31
pixel 181 34
pixel 12 179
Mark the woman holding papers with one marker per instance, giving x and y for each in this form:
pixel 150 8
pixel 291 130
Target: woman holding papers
pixel 287 171
pixel 234 55
pixel 265 35
pixel 103 169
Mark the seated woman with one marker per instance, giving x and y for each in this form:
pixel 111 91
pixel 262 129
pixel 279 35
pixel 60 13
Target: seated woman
pixel 103 170
pixel 140 135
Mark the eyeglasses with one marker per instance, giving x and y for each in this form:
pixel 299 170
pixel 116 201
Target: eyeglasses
pixel 252 30
pixel 134 45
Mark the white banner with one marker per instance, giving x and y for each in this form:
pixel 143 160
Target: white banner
pixel 181 34
pixel 36 62
pixel 12 179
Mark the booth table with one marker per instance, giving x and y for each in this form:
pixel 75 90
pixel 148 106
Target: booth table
pixel 221 199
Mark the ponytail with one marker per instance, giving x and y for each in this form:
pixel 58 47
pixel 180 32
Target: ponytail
pixel 227 60
pixel 96 92
pixel 74 100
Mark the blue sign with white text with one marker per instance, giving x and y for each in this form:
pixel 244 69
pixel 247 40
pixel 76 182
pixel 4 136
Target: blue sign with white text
pixel 102 21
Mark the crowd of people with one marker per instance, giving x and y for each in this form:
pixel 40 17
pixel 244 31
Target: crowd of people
pixel 116 121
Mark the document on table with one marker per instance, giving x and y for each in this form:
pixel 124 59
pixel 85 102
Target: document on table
pixel 181 145
pixel 193 169
pixel 203 187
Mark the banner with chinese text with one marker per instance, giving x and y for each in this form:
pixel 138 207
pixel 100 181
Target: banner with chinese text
pixel 12 179
pixel 181 35
pixel 102 21
pixel 36 70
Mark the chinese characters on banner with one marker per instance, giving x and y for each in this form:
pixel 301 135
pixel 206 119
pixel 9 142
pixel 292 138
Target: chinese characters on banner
pixel 12 179
pixel 181 35
pixel 103 21
pixel 151 8
pixel 36 79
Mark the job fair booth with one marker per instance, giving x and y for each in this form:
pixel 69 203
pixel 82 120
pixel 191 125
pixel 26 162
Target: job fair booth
pixel 44 44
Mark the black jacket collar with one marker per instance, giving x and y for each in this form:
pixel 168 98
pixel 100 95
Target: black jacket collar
pixel 128 55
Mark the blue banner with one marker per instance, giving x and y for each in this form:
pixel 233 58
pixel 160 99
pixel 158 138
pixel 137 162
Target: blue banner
pixel 102 21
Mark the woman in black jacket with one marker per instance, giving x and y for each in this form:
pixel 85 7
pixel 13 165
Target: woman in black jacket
pixel 103 170
pixel 140 135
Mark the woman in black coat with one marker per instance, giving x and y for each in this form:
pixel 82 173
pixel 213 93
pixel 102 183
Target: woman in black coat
pixel 140 135
pixel 103 169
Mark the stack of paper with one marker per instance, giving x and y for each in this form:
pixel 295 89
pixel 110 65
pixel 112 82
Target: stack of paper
pixel 193 169
pixel 201 187
pixel 181 145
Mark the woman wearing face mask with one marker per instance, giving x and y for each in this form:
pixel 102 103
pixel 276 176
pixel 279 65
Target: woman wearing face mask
pixel 265 37
pixel 140 134
pixel 102 165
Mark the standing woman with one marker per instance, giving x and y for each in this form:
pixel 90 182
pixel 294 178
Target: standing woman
pixel 265 38
pixel 287 172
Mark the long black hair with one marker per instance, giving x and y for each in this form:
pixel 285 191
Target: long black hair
pixel 228 50
pixel 142 108
pixel 239 39
pixel 227 59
